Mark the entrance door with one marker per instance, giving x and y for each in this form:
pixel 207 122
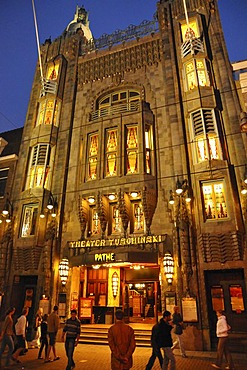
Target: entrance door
pixel 226 291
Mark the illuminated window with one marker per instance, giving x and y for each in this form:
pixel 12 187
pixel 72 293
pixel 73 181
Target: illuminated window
pixel 214 200
pixel 29 220
pixel 116 220
pixel 138 216
pixel 95 221
pixel 117 102
pixel 132 150
pixel 196 73
pixel 205 135
pixel 190 31
pixel 148 147
pixel 39 166
pixel 52 71
pixel 3 180
pixel 111 152
pixel 236 296
pixel 93 149
pixel 48 114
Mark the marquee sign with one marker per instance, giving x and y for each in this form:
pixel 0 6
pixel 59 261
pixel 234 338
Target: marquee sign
pixel 116 242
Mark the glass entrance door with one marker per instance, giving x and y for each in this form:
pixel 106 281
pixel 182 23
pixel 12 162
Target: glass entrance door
pixel 226 291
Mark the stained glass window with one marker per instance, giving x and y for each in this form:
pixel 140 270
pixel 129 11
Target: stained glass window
pixel 95 222
pixel 93 143
pixel 138 217
pixel 52 71
pixel 196 73
pixel 205 135
pixel 48 113
pixel 111 152
pixel 214 200
pixel 148 147
pixel 190 31
pixel 132 150
pixel 39 166
pixel 29 220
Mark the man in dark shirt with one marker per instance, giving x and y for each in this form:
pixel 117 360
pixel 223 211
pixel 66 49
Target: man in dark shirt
pixel 72 330
pixel 156 349
pixel 165 341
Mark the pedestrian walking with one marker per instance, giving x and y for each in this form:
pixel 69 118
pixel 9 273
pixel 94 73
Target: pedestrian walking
pixel 121 341
pixel 72 330
pixel 156 352
pixel 178 330
pixel 7 336
pixel 53 322
pixel 20 331
pixel 222 329
pixel 165 341
pixel 37 329
pixel 43 337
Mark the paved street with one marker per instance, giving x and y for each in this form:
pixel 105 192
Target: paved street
pixel 95 357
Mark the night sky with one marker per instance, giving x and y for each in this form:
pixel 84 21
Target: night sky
pixel 18 43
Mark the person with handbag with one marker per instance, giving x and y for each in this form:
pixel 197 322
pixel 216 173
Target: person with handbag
pixel 7 336
pixel 178 330
pixel 20 331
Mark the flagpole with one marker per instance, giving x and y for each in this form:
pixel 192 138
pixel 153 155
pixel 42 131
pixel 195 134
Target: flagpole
pixel 37 39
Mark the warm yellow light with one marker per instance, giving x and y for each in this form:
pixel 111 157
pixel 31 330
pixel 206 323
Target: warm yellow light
pixel 95 267
pixel 168 264
pixel 134 194
pixel 112 196
pixel 91 199
pixel 64 270
pixel 42 215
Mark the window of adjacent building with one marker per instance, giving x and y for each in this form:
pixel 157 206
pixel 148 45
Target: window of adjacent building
pixel 214 200
pixel 3 180
pixel 132 150
pixel 190 30
pixel 48 112
pixel 205 135
pixel 148 147
pixel 111 152
pixel 236 297
pixel 196 73
pixel 39 166
pixel 93 151
pixel 29 220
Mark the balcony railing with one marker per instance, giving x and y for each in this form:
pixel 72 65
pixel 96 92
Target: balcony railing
pixel 116 109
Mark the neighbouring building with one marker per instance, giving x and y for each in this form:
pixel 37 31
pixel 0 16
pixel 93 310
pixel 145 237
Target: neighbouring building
pixel 130 176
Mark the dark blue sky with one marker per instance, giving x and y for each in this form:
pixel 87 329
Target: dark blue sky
pixel 18 44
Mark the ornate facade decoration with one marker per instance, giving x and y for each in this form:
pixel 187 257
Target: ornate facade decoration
pixel 149 201
pixel 222 247
pixel 83 214
pixel 103 211
pixel 125 60
pixel 124 208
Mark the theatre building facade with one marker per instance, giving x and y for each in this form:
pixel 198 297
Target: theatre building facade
pixel 132 154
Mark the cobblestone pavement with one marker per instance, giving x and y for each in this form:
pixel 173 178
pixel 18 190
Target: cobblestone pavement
pixel 96 357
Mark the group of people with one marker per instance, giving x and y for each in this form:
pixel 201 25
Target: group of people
pixel 121 339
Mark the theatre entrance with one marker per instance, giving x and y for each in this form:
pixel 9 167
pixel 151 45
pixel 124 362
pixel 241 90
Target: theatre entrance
pixel 142 294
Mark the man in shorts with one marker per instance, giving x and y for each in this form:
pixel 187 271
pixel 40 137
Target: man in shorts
pixel 53 322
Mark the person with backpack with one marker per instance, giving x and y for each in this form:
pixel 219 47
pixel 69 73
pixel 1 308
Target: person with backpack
pixel 178 330
pixel 7 336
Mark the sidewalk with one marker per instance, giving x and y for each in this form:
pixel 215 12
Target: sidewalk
pixel 96 357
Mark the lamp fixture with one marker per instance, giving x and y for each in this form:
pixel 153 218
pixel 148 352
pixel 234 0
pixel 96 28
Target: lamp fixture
pixel 64 270
pixel 42 215
pixel 134 194
pixel 179 187
pixel 95 267
pixel 112 196
pixel 171 199
pixel 91 199
pixel 243 190
pixel 115 280
pixel 8 208
pixel 168 264
pixel 245 175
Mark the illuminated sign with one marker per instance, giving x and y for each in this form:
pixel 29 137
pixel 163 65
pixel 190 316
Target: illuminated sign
pixel 104 257
pixel 117 242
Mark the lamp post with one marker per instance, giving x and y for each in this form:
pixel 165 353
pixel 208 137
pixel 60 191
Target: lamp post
pixel 180 199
